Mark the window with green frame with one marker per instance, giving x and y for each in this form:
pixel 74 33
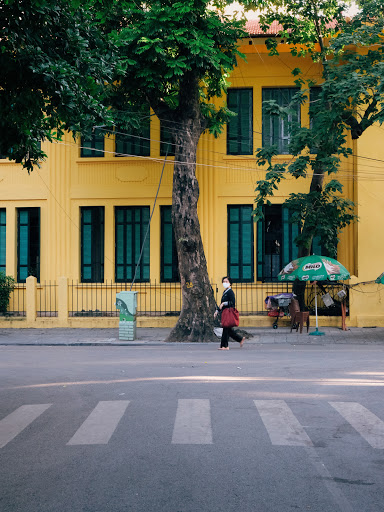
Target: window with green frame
pixel 28 243
pixel 276 131
pixel 275 242
pixel 240 127
pixel 3 225
pixel 92 146
pixel 169 266
pixel 131 223
pixel 136 142
pixel 92 244
pixel 4 157
pixel 317 247
pixel 167 145
pixel 240 249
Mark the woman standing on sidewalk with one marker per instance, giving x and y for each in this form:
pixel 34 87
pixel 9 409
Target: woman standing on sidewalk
pixel 228 300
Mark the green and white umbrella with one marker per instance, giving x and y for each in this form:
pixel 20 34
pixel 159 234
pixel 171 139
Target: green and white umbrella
pixel 314 268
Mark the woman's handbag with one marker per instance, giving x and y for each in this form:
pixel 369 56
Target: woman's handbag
pixel 229 317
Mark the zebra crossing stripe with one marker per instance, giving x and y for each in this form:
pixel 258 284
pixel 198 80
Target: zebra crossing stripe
pixel 282 425
pixel 193 422
pixel 18 420
pixel 369 426
pixel 100 424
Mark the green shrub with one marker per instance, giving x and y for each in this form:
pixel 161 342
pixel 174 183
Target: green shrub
pixel 7 285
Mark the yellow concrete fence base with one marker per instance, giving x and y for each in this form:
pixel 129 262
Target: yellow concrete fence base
pixel 31 320
pixel 163 321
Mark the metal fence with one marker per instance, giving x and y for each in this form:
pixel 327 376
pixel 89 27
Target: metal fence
pixel 165 299
pixel 324 289
pixel 17 302
pixel 47 299
pixel 98 299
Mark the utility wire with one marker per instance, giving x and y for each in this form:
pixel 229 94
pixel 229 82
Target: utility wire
pixel 349 176
pixel 149 223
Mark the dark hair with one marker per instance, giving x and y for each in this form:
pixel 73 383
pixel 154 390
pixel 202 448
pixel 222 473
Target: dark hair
pixel 229 279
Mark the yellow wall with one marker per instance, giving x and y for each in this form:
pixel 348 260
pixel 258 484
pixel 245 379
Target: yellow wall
pixel 66 182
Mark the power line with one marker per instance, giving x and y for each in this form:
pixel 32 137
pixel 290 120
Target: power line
pixel 347 177
pixel 246 158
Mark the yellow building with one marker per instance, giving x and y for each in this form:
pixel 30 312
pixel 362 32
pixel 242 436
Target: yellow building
pixel 78 223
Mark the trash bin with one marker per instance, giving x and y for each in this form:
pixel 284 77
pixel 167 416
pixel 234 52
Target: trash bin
pixel 126 302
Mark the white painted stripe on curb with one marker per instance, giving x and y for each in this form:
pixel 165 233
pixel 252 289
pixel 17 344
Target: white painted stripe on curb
pixel 101 423
pixel 282 425
pixel 193 422
pixel 18 420
pixel 369 426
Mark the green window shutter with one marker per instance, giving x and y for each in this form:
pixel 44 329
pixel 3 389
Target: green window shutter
pixel 290 232
pixel 28 243
pixel 287 242
pixel 240 255
pixel 240 127
pixel 169 268
pixel 136 142
pixel 267 120
pixel 3 240
pixel 260 249
pixel 131 223
pixel 275 130
pixel 294 234
pixel 270 248
pixel 92 244
pixel 316 246
pixel 92 146
pixel 247 247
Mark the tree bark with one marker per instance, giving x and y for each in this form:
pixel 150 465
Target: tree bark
pixel 198 304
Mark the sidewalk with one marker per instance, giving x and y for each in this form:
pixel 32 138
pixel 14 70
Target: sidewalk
pixel 156 336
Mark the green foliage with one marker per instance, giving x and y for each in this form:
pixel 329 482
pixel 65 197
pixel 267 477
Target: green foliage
pixel 180 54
pixel 65 63
pixel 325 214
pixel 350 99
pixel 7 285
pixel 55 63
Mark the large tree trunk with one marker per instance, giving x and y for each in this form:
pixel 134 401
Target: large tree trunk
pixel 198 304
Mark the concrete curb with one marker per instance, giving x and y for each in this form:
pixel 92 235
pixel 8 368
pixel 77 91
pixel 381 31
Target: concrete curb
pixel 155 337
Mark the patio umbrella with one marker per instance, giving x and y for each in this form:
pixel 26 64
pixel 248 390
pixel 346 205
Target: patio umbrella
pixel 380 279
pixel 314 268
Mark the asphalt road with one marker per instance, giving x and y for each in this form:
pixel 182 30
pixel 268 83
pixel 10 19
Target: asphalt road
pixel 182 428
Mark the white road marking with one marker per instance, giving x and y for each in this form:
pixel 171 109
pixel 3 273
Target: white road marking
pixel 193 422
pixel 282 425
pixel 369 426
pixel 101 423
pixel 18 420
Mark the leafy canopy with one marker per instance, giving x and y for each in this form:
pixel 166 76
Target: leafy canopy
pixel 179 54
pixel 55 63
pixel 66 62
pixel 349 98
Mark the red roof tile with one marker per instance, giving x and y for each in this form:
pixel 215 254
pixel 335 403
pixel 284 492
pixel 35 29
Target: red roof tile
pixel 254 29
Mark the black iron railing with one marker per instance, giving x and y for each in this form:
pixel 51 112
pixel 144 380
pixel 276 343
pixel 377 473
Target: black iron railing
pixel 98 299
pixel 17 302
pixel 165 299
pixel 46 296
